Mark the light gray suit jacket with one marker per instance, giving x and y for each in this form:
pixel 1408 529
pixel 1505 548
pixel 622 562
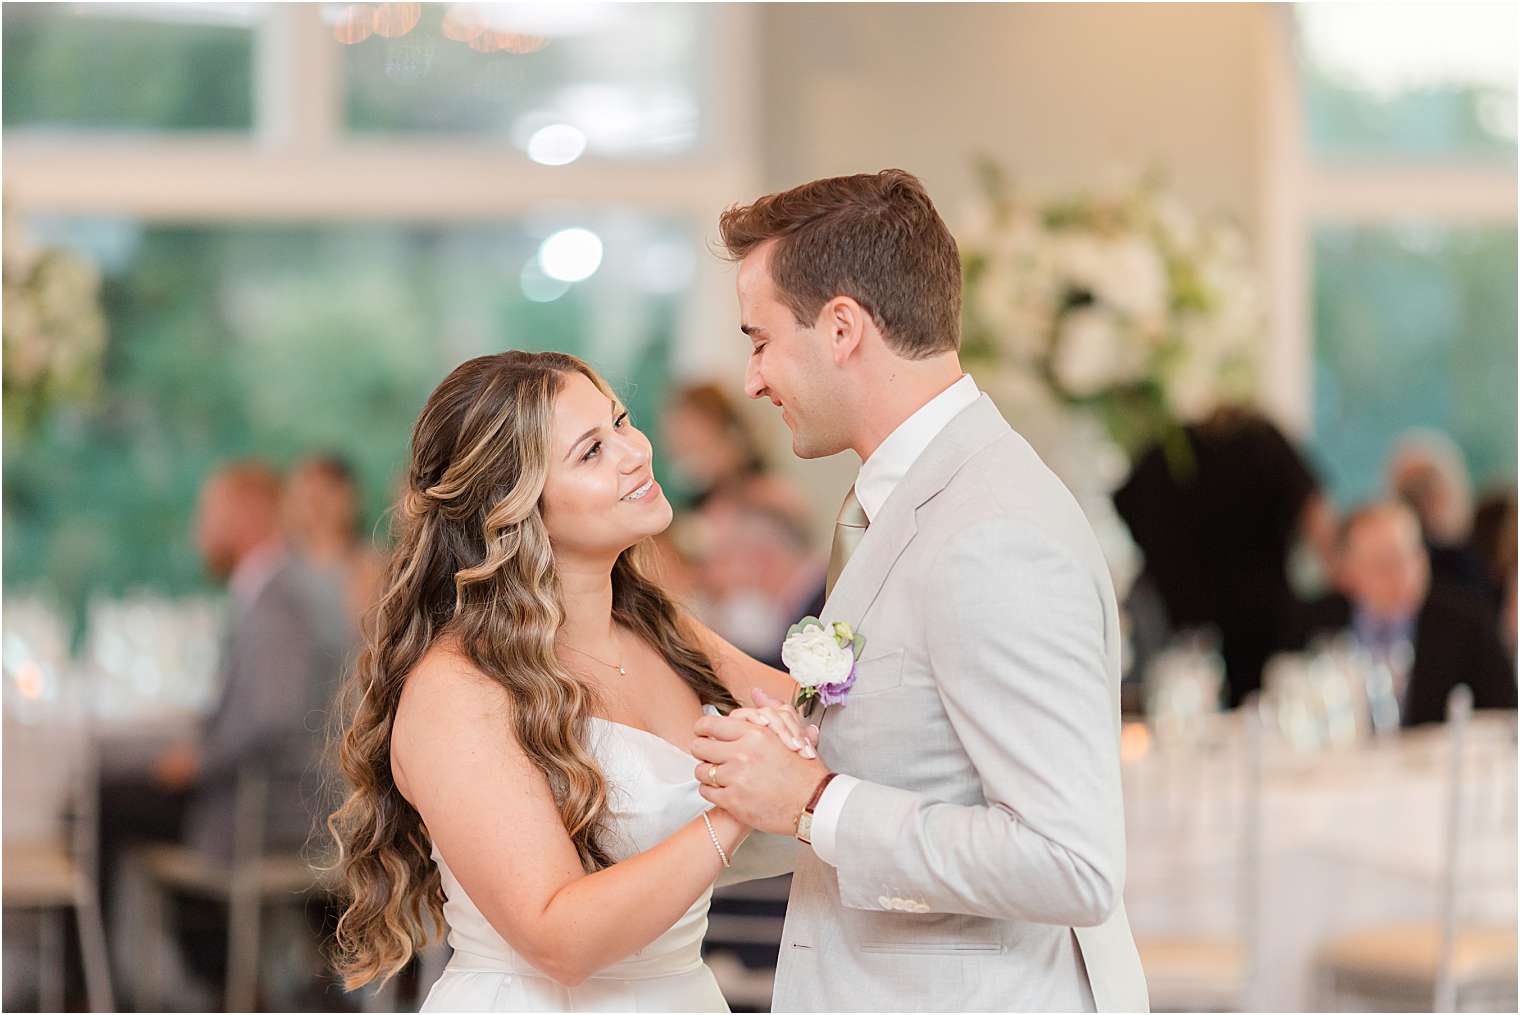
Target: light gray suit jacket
pixel 981 862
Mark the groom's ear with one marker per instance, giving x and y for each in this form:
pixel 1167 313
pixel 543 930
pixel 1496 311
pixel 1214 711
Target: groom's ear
pixel 845 322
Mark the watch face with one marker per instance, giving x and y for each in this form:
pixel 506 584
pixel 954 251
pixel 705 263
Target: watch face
pixel 805 827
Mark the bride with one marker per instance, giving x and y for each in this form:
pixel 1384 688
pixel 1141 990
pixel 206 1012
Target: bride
pixel 517 724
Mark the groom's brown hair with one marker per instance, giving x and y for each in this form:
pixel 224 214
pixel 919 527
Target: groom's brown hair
pixel 874 237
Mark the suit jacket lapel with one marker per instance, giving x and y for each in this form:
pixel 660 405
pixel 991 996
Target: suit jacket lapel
pixel 978 425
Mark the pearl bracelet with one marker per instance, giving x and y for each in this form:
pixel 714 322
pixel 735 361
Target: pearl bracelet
pixel 722 854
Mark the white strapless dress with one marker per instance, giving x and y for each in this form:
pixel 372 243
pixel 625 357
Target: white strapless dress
pixel 651 794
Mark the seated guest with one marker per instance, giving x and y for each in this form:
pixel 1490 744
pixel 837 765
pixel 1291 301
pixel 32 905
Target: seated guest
pixel 322 509
pixel 278 670
pixel 1388 599
pixel 1428 472
pixel 760 569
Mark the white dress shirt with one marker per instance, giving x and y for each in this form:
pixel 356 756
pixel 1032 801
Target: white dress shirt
pixel 878 477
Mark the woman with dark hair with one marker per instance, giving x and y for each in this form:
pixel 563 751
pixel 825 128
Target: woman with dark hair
pixel 518 721
pixel 1217 531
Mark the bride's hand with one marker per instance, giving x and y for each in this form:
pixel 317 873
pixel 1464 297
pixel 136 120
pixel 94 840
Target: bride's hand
pixel 784 721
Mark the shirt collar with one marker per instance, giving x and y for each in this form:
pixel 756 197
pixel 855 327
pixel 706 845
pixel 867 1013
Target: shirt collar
pixel 890 462
pixel 1377 634
pixel 255 570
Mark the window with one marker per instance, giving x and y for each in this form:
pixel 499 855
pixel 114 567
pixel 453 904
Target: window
pixel 1416 81
pixel 1391 239
pixel 279 340
pixel 1415 327
pixel 626 81
pixel 124 67
pixel 302 280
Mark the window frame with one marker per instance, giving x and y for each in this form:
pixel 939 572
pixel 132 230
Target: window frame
pixel 300 165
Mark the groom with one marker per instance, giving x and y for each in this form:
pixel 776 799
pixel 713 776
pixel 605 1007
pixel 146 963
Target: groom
pixel 964 814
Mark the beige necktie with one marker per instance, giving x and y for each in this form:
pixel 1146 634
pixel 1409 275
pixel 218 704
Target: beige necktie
pixel 849 529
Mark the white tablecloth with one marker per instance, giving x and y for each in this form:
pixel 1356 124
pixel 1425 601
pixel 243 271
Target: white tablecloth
pixel 1349 840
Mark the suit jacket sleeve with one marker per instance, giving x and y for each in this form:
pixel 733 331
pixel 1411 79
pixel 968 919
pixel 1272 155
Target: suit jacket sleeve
pixel 1016 640
pixel 265 701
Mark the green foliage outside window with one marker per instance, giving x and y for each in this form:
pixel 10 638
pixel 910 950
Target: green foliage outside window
pixel 1414 326
pixel 279 341
pixel 124 71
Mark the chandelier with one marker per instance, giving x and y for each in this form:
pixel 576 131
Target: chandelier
pixel 480 26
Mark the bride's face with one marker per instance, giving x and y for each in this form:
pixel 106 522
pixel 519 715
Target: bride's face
pixel 601 496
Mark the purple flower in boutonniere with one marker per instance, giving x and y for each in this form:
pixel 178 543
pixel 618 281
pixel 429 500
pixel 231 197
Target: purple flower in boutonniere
pixel 821 658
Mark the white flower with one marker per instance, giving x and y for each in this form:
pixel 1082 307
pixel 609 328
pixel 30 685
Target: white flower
pixel 1125 272
pixel 1092 353
pixel 1078 254
pixel 1192 381
pixel 1174 298
pixel 1017 305
pixel 814 657
pixel 1135 282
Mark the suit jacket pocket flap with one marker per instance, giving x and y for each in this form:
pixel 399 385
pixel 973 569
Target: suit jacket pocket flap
pixel 877 671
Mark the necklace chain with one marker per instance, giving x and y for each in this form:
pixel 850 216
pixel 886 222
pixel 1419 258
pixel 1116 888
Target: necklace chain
pixel 622 671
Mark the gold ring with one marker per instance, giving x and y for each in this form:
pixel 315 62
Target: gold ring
pixel 712 776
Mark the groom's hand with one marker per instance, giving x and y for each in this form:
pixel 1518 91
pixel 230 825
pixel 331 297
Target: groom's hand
pixel 759 780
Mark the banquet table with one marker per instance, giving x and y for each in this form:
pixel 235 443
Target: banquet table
pixel 1349 839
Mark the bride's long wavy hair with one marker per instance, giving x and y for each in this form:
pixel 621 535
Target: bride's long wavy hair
pixel 472 561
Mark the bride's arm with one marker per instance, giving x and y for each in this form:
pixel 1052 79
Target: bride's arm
pixel 739 671
pixel 490 812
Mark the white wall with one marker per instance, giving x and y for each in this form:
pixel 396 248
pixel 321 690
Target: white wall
pixel 1059 94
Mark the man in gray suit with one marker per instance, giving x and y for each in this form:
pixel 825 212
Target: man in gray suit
pixel 281 654
pixel 965 811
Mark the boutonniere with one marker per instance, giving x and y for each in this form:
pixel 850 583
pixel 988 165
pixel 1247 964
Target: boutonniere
pixel 821 658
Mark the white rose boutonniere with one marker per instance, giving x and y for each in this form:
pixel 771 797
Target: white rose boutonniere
pixel 821 658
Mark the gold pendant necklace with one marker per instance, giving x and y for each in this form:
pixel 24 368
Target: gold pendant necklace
pixel 622 671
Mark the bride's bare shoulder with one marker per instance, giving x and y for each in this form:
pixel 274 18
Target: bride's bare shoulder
pixel 445 682
pixel 448 709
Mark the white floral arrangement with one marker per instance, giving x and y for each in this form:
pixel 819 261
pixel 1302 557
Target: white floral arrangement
pixel 1121 302
pixel 54 330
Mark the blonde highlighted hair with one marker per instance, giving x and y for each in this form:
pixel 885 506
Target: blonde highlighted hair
pixel 472 561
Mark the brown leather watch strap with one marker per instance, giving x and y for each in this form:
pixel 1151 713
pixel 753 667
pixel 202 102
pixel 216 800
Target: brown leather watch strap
pixel 823 784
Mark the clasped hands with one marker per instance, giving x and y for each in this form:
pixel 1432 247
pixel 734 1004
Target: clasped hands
pixel 759 764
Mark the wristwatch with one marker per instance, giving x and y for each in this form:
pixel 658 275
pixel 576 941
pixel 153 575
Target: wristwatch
pixel 805 819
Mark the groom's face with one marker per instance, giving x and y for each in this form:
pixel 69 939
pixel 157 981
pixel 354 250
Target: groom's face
pixel 789 363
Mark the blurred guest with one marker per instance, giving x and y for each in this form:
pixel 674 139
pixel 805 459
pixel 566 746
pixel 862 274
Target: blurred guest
pixel 760 568
pixel 706 442
pixel 676 570
pixel 279 667
pixel 1428 472
pixel 322 513
pixel 1217 525
pixel 1493 543
pixel 1509 618
pixel 1433 635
